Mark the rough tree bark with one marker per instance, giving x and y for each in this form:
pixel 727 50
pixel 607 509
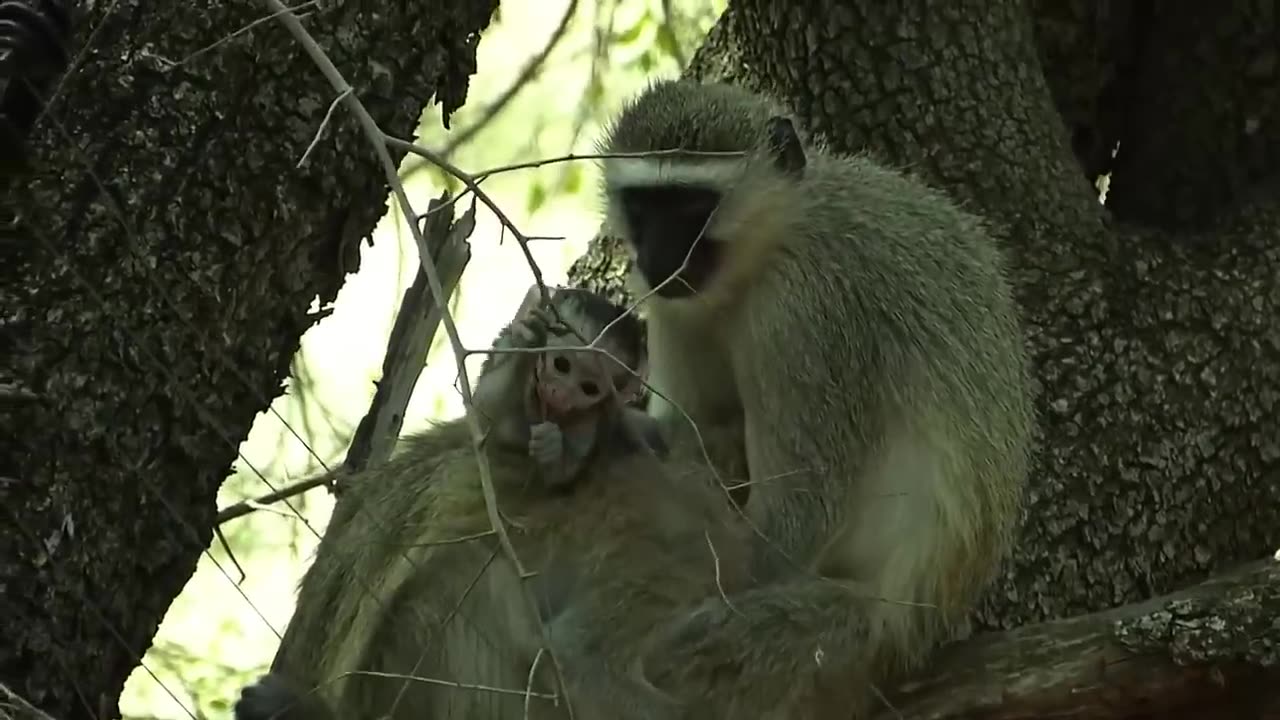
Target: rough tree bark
pixel 156 288
pixel 1155 320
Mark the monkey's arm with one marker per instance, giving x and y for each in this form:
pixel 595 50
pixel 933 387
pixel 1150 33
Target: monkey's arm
pixel 800 650
pixel 808 453
pixel 500 395
pixel 275 697
pixel 645 430
pixel 597 689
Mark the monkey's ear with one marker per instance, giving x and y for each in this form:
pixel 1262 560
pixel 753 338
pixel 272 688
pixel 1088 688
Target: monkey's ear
pixel 532 297
pixel 784 141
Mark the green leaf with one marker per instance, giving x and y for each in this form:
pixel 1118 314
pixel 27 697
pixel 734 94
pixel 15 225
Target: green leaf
pixel 667 41
pixel 537 197
pixel 632 34
pixel 571 179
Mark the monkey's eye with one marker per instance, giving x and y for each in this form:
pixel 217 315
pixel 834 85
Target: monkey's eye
pixel 562 365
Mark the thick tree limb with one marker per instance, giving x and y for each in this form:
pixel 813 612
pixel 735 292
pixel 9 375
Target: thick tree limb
pixel 1216 645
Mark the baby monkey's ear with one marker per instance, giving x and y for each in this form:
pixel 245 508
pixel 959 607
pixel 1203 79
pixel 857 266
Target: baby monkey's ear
pixel 632 387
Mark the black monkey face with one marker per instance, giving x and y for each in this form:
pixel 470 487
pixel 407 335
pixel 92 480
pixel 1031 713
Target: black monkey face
pixel 667 226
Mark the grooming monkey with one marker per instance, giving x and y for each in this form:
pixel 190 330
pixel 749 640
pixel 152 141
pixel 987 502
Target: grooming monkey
pixel 854 329
pixel 393 589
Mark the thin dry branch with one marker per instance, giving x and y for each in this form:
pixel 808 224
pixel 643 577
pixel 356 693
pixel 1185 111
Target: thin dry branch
pixel 244 507
pixel 1211 651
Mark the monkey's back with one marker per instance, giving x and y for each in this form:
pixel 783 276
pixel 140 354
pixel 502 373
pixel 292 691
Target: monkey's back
pixel 396 588
pixel 650 537
pixel 633 544
pixel 913 373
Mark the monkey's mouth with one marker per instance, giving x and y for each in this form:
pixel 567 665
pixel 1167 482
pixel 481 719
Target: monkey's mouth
pixel 549 409
pixel 555 410
pixel 675 272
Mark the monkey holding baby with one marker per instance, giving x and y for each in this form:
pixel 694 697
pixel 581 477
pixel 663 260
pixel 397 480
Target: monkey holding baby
pixel 845 330
pixel 410 582
pixel 855 331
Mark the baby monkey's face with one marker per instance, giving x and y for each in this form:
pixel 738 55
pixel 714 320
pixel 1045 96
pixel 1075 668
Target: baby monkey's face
pixel 570 383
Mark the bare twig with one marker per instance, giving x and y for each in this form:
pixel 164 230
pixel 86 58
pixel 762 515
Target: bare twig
pixel 466 179
pixel 528 685
pixel 226 546
pixel 715 557
pixel 244 507
pixel 324 123
pixel 523 692
pixel 487 173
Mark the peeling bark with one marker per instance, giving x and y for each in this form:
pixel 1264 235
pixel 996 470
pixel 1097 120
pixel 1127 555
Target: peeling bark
pixel 156 288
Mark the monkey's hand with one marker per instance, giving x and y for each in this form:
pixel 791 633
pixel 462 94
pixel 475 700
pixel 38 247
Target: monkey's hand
pixel 273 697
pixel 546 448
pixel 531 330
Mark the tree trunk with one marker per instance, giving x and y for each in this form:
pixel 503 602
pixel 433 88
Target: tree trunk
pixel 156 289
pixel 1154 320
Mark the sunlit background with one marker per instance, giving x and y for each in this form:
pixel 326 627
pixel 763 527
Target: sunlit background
pixel 223 629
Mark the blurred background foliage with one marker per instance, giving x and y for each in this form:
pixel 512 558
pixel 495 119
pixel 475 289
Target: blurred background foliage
pixel 550 72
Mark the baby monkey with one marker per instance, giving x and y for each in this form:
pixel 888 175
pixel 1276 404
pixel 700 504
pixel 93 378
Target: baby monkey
pixel 550 399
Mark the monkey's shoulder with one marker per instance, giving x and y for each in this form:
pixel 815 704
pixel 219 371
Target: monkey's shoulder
pixel 644 536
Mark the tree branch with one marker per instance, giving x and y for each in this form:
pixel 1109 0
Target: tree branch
pixel 1215 645
pixel 416 323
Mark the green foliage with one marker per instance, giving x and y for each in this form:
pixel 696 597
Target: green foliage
pixel 537 197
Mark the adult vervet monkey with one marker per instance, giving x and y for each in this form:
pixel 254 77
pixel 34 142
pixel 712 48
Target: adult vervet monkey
pixel 409 580
pixel 854 331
